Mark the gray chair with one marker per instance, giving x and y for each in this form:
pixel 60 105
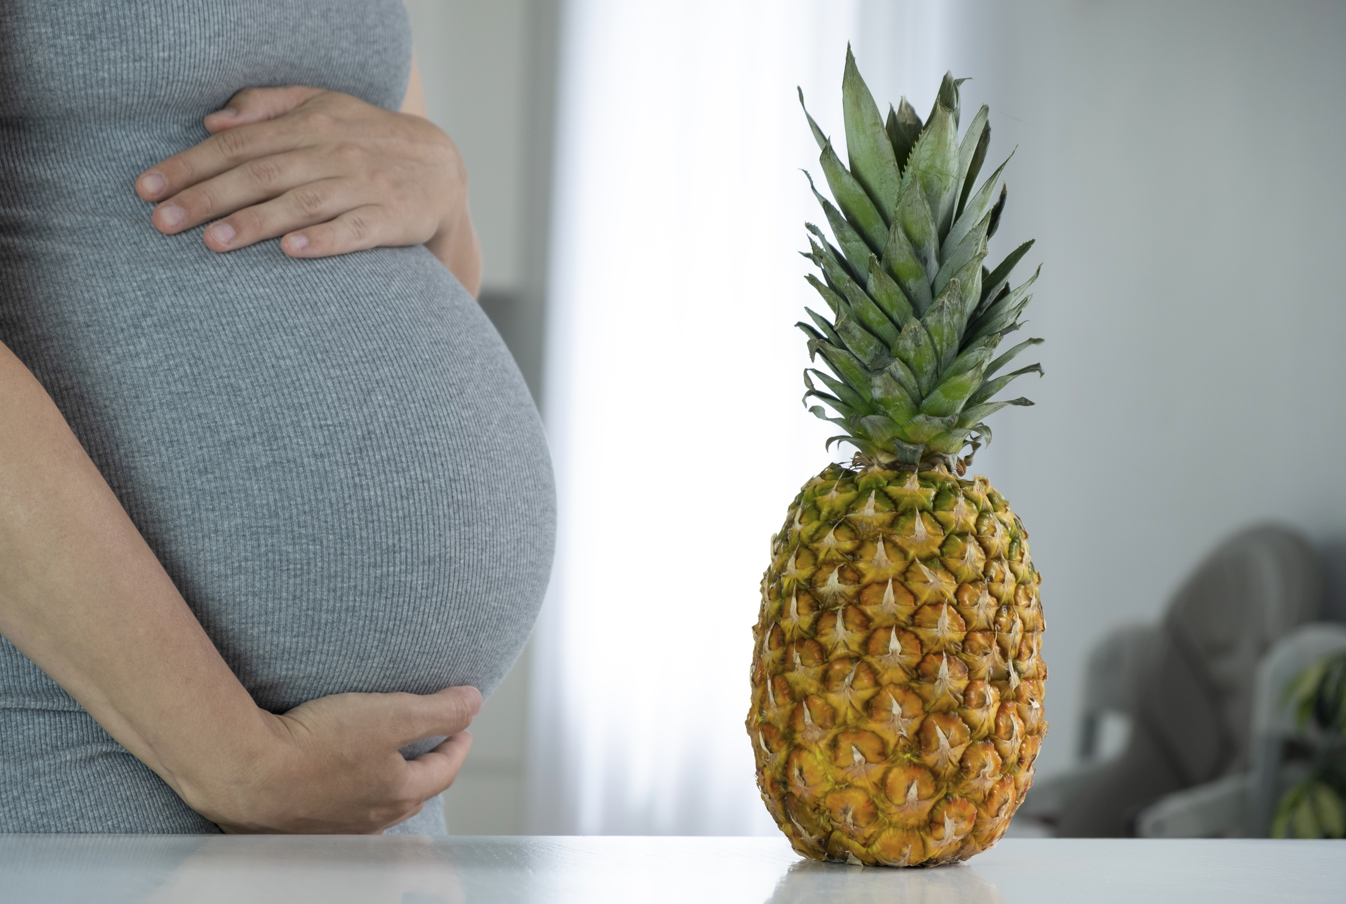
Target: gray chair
pixel 1243 803
pixel 1187 685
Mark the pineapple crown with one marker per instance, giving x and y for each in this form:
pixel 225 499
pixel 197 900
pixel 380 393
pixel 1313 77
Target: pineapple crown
pixel 916 317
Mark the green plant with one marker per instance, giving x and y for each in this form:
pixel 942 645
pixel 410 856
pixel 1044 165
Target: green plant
pixel 1314 807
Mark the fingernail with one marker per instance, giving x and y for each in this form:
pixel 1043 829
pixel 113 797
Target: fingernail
pixel 227 111
pixel 171 214
pixel 474 699
pixel 153 183
pixel 298 242
pixel 222 233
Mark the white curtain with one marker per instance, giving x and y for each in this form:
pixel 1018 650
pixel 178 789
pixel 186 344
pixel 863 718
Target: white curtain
pixel 673 383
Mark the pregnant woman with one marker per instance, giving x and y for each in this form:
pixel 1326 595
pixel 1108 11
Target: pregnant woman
pixel 273 496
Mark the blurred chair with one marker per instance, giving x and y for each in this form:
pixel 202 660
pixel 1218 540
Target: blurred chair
pixel 1244 803
pixel 1187 687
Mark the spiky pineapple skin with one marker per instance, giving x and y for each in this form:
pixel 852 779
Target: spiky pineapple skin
pixel 896 678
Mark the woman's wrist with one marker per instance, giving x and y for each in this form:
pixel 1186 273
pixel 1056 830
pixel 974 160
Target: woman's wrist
pixel 226 772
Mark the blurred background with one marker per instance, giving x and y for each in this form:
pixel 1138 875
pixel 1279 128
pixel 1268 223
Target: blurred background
pixel 635 180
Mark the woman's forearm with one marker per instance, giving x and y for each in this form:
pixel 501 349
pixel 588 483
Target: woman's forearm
pixel 83 597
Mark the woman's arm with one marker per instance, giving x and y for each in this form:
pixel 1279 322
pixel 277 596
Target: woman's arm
pixel 85 599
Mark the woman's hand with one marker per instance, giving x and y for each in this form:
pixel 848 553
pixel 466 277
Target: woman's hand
pixel 326 171
pixel 331 766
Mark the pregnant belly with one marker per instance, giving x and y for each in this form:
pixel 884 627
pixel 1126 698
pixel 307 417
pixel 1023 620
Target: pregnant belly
pixel 337 461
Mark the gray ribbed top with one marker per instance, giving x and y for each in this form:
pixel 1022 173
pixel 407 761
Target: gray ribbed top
pixel 336 460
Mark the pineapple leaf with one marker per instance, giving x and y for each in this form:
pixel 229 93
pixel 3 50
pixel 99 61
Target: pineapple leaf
pixel 853 246
pixel 969 280
pixel 844 438
pixel 947 95
pixel 860 341
pixel 875 319
pixel 976 356
pixel 972 347
pixel 996 210
pixel 915 349
pixel 972 246
pixel 818 135
pixel 836 404
pixel 871 153
pixel 851 197
pixel 904 274
pixel 831 250
pixel 944 322
pixel 879 427
pixel 900 260
pixel 924 427
pixel 915 220
pixel 1009 356
pixel 891 397
pixel 971 154
pixel 998 277
pixel 907 453
pixel 953 392
pixel 887 294
pixel 1004 322
pixel 933 166
pixel 974 413
pixel 869 314
pixel 978 206
pixel 824 333
pixel 1003 312
pixel 821 414
pixel 833 269
pixel 904 377
pixel 889 437
pixel 904 127
pixel 949 442
pixel 842 391
pixel 828 294
pixel 991 387
pixel 845 365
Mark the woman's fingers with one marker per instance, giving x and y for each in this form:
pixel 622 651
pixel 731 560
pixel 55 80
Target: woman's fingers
pixel 355 230
pixel 433 772
pixel 243 144
pixel 258 105
pixel 447 712
pixel 305 205
pixel 232 191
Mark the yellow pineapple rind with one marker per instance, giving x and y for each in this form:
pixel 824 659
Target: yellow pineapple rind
pixel 897 680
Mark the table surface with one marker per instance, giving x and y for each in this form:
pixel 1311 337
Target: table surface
pixel 120 869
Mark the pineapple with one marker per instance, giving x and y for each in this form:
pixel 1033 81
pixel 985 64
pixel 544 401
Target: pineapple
pixel 896 681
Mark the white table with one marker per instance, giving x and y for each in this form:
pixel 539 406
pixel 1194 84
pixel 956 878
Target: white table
pixel 418 870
